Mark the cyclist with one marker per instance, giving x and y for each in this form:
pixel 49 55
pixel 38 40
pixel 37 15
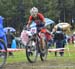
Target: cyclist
pixel 39 19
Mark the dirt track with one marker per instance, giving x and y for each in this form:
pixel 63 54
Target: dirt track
pixel 49 64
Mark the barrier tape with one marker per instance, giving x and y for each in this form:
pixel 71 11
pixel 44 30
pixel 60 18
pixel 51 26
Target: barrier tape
pixel 56 50
pixel 49 50
pixel 11 50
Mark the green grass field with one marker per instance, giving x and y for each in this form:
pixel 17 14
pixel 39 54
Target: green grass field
pixel 19 56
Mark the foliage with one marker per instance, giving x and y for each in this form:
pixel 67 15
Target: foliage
pixel 17 11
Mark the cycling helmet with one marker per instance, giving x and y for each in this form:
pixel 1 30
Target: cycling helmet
pixel 33 11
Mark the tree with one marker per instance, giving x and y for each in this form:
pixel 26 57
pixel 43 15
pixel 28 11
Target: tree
pixel 15 11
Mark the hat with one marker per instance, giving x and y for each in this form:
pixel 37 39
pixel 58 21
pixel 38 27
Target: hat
pixel 1 17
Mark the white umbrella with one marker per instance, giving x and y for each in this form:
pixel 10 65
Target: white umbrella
pixel 10 28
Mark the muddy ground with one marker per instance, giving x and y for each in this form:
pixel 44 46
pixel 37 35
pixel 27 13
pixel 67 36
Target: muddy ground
pixel 49 64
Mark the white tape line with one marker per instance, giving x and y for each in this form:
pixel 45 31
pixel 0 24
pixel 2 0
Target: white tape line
pixel 54 50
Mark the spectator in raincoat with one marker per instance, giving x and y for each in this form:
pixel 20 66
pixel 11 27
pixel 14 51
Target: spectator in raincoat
pixel 2 33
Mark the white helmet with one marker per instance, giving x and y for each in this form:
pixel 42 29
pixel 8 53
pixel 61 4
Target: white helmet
pixel 33 11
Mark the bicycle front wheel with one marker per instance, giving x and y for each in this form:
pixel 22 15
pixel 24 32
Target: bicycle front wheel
pixel 3 52
pixel 31 50
pixel 43 50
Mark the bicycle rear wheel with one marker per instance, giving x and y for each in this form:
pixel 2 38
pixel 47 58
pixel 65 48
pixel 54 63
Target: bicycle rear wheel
pixel 31 50
pixel 3 53
pixel 43 50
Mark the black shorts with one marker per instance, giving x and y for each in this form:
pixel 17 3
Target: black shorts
pixel 39 26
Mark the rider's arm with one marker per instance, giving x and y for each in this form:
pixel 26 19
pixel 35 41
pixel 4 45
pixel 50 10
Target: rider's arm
pixel 44 21
pixel 29 21
pixel 41 17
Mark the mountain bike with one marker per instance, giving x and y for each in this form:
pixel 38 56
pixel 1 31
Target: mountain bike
pixel 3 52
pixel 37 44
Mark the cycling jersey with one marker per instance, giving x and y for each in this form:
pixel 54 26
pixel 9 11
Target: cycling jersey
pixel 39 18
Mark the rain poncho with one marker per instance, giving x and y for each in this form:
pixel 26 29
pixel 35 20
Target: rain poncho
pixel 2 33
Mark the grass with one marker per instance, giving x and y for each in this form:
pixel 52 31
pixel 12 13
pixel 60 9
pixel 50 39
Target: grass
pixel 19 56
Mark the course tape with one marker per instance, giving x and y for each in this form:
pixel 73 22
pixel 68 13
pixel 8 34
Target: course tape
pixel 49 50
pixel 11 50
pixel 55 50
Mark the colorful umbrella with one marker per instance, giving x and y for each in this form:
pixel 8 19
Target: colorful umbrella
pixel 65 27
pixel 10 28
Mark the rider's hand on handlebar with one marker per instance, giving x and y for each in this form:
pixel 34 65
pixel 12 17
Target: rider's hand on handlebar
pixel 27 27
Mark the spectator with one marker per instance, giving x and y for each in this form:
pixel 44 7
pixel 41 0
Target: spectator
pixel 73 38
pixel 10 37
pixel 59 38
pixel 2 33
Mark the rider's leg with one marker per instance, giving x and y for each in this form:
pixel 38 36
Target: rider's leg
pixel 49 39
